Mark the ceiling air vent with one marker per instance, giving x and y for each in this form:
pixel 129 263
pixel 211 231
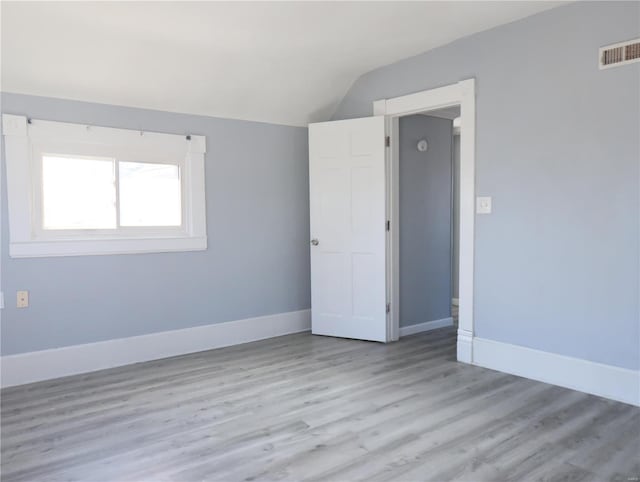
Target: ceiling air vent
pixel 619 54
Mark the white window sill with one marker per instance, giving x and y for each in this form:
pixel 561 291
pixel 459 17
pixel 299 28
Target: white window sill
pixel 41 249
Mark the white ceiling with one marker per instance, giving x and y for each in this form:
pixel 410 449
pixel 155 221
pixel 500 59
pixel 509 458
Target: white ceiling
pixel 286 63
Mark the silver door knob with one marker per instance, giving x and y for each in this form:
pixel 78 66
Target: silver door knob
pixel 315 242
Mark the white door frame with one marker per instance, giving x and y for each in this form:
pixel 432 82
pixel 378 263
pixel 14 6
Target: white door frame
pixel 463 94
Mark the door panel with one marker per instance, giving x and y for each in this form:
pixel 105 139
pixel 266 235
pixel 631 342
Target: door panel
pixel 347 189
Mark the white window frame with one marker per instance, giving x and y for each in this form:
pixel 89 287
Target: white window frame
pixel 25 142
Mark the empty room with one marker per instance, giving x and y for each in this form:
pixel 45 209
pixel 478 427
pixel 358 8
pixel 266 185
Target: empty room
pixel 319 240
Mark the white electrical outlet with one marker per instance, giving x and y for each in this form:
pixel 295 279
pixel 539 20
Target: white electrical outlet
pixel 22 299
pixel 483 205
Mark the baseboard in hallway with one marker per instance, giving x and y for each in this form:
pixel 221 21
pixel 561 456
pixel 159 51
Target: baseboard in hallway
pixel 426 326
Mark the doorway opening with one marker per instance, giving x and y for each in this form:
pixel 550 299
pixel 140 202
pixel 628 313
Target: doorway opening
pixel 460 95
pixel 428 240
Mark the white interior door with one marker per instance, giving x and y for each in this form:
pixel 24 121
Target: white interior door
pixel 348 228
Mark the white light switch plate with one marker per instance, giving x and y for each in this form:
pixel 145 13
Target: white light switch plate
pixel 483 205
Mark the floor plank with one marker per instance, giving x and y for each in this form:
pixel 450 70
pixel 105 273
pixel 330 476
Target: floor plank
pixel 305 407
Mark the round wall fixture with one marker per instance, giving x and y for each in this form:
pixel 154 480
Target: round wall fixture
pixel 422 145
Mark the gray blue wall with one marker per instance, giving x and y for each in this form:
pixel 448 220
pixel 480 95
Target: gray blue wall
pixel 425 220
pixel 557 146
pixel 258 227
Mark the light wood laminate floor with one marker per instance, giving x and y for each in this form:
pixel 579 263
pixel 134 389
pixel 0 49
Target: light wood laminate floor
pixel 304 407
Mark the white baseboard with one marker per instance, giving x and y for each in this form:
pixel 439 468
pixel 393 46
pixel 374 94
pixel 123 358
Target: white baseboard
pixel 426 326
pixel 455 301
pixel 607 381
pixel 71 360
pixel 604 380
pixel 464 346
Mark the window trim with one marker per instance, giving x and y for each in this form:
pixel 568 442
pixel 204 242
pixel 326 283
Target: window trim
pixel 25 138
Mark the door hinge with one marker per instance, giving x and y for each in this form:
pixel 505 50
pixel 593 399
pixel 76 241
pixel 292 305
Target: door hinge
pixel 388 225
pixel 387 141
pixel 388 307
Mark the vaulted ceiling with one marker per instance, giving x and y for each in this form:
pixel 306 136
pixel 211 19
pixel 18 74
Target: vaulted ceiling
pixel 287 63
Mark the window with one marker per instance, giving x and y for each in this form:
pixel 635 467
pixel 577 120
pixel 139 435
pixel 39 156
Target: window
pixel 76 189
pixel 77 193
pixel 149 194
